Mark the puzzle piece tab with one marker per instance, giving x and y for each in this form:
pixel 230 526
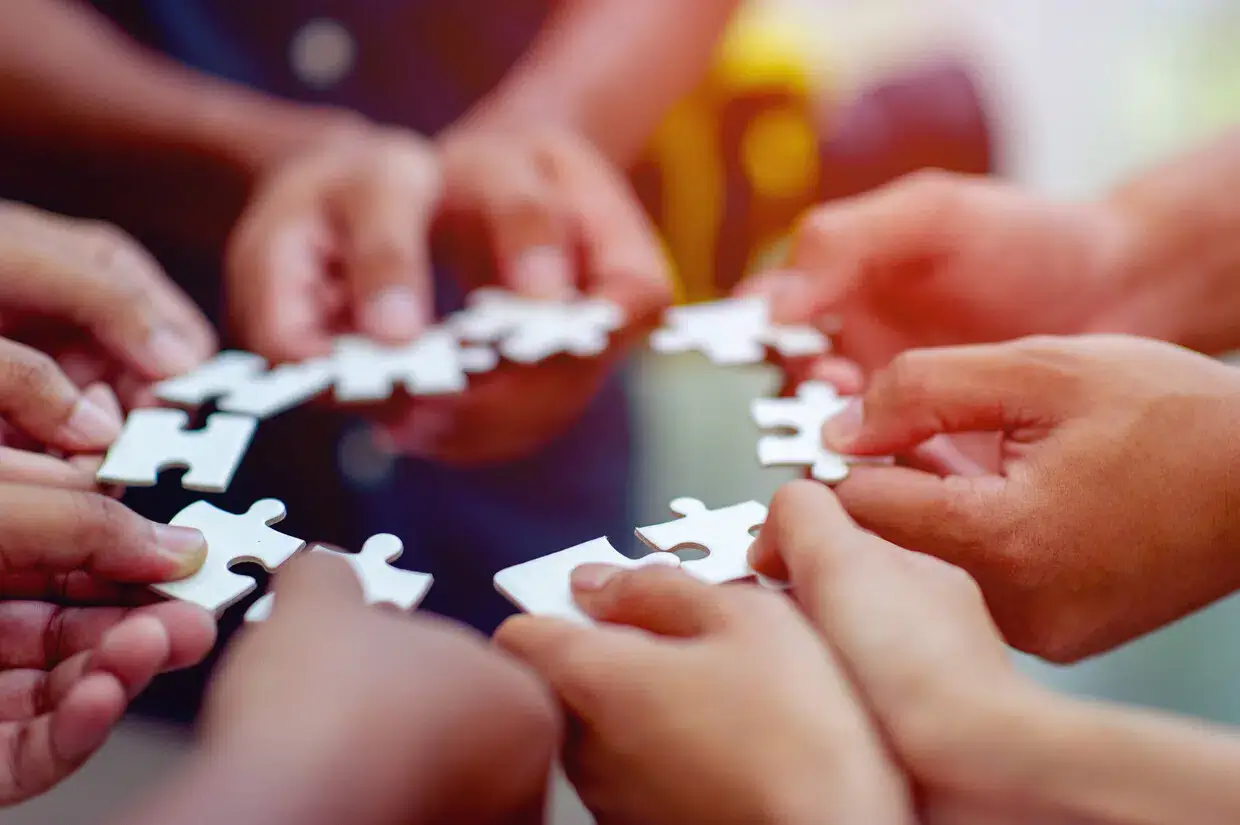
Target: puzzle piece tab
pixel 435 364
pixel 814 404
pixel 155 440
pixel 381 582
pixel 733 331
pixel 527 331
pixel 217 377
pixel 724 533
pixel 231 538
pixel 541 587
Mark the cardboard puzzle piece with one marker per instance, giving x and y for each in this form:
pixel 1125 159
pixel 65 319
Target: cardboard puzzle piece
pixel 526 331
pixel 733 331
pixel 725 534
pixel 215 378
pixel 231 538
pixel 815 402
pixel 435 364
pixel 155 440
pixel 381 582
pixel 541 587
pixel 242 384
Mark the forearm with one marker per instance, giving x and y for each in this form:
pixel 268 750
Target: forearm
pixel 610 69
pixel 1183 258
pixel 113 129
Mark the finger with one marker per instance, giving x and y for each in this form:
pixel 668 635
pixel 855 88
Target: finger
pixel 40 752
pixel 41 401
pixel 23 467
pixel 316 583
pixel 625 263
pixel 386 220
pixel 658 600
pixel 58 531
pixel 924 393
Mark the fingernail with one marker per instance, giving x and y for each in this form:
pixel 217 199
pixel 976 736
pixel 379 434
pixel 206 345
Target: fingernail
pixel 395 314
pixel 169 353
pixel 185 545
pixel 544 272
pixel 839 432
pixel 105 398
pixel 89 423
pixel 592 577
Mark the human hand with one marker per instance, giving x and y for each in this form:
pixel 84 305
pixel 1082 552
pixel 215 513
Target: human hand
pixel 335 240
pixel 362 715
pixel 79 635
pixel 938 259
pixel 706 705
pixel 90 296
pixel 1111 514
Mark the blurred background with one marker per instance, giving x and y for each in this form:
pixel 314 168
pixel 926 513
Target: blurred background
pixel 816 99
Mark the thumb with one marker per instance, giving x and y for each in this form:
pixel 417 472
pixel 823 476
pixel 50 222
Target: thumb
pixel 924 393
pixel 317 581
pixel 657 599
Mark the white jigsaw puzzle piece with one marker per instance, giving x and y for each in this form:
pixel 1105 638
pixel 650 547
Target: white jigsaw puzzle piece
pixel 814 404
pixel 723 533
pixel 541 587
pixel 435 364
pixel 155 440
pixel 381 582
pixel 733 331
pixel 243 385
pixel 217 377
pixel 527 331
pixel 231 538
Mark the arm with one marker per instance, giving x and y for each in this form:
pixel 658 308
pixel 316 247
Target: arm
pixel 129 132
pixel 609 69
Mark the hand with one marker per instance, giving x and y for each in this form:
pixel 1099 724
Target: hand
pixel 1112 513
pixel 335 240
pixel 706 705
pixel 358 714
pixel 914 635
pixel 89 295
pixel 938 259
pixel 79 636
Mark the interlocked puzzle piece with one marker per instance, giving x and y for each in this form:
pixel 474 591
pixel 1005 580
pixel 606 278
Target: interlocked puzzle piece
pixel 435 364
pixel 733 331
pixel 381 582
pixel 231 538
pixel 815 402
pixel 155 440
pixel 541 586
pixel 725 534
pixel 242 383
pixel 527 331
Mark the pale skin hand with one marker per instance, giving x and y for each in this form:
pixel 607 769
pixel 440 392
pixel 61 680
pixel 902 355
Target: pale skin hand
pixel 343 712
pixel 983 744
pixel 79 634
pixel 1111 512
pixel 728 684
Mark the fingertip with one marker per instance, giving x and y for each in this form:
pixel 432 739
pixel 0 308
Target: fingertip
pixel 192 633
pixel 842 431
pixel 86 716
pixel 543 272
pixel 846 376
pixel 395 315
pixel 133 651
pixel 89 426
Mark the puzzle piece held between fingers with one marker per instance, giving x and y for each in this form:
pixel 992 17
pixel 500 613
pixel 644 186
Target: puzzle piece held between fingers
pixel 435 364
pixel 155 440
pixel 725 534
pixel 527 331
pixel 814 404
pixel 381 582
pixel 217 377
pixel 541 586
pixel 733 331
pixel 231 538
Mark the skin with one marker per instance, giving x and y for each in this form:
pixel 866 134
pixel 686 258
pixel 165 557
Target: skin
pixel 778 736
pixel 335 711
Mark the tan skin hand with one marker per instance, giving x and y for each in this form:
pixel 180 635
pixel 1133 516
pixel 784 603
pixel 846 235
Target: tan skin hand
pixel 1111 512
pixel 727 685
pixel 372 716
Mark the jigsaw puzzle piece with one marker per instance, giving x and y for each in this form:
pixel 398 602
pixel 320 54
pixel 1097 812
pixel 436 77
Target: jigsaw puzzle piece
pixel 728 331
pixel 435 364
pixel 805 414
pixel 796 341
pixel 231 538
pixel 155 440
pixel 725 534
pixel 541 587
pixel 283 388
pixel 215 378
pixel 527 331
pixel 381 582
